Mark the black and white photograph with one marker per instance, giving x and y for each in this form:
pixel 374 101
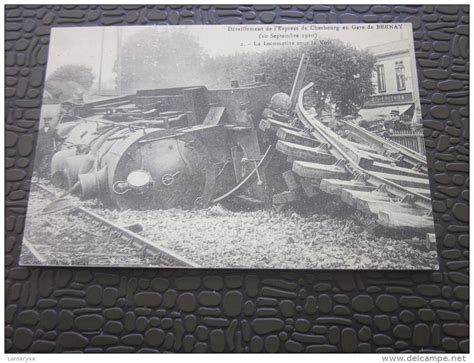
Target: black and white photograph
pixel 231 146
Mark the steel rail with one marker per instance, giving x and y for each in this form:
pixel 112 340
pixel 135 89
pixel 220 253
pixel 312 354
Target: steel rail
pixel 164 253
pixel 341 150
pixel 410 156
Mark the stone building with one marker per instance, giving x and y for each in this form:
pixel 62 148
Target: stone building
pixel 395 84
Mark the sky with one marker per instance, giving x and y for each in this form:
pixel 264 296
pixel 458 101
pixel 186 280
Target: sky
pixel 83 45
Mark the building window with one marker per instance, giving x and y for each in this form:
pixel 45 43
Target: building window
pixel 400 74
pixel 381 78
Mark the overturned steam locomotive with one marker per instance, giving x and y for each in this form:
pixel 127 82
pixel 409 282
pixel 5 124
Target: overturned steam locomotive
pixel 164 148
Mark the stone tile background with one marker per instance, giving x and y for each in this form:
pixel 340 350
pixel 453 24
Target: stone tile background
pixel 137 310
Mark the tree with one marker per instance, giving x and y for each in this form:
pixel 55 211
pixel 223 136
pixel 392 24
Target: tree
pixel 161 60
pixel 342 74
pixel 76 73
pixel 63 91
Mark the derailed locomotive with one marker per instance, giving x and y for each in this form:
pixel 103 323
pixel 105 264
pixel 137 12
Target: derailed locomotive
pixel 164 148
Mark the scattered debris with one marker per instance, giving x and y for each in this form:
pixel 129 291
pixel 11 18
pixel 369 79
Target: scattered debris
pixel 217 210
pixel 218 238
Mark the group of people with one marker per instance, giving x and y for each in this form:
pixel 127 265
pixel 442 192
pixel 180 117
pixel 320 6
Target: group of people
pixel 384 125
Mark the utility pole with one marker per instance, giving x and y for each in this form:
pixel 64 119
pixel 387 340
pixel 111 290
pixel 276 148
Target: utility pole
pixel 119 60
pixel 99 91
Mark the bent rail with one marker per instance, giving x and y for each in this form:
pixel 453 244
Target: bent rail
pixel 409 155
pixel 341 149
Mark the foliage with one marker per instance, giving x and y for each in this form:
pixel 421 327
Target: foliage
pixel 341 73
pixel 63 91
pixel 76 73
pixel 342 76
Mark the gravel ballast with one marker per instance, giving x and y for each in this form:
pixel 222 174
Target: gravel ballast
pixel 265 239
pixel 219 238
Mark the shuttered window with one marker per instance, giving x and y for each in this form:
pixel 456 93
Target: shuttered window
pixel 381 78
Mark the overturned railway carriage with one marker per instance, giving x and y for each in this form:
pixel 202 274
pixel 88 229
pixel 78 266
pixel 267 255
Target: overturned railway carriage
pixel 165 148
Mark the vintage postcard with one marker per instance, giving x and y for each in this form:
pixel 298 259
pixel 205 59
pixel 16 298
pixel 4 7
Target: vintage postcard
pixel 231 146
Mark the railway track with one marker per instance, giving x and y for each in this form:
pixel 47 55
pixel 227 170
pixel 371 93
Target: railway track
pixel 81 237
pixel 372 174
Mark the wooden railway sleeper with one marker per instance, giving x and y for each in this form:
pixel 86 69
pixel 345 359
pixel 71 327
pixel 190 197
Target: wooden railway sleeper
pixel 141 251
pixel 129 242
pixel 408 200
pixel 344 152
pixel 90 233
pixel 114 231
pixel 109 235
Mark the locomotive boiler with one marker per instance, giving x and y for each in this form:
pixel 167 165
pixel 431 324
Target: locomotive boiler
pixel 164 148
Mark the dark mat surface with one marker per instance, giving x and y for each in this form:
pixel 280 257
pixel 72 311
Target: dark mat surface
pixel 135 310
